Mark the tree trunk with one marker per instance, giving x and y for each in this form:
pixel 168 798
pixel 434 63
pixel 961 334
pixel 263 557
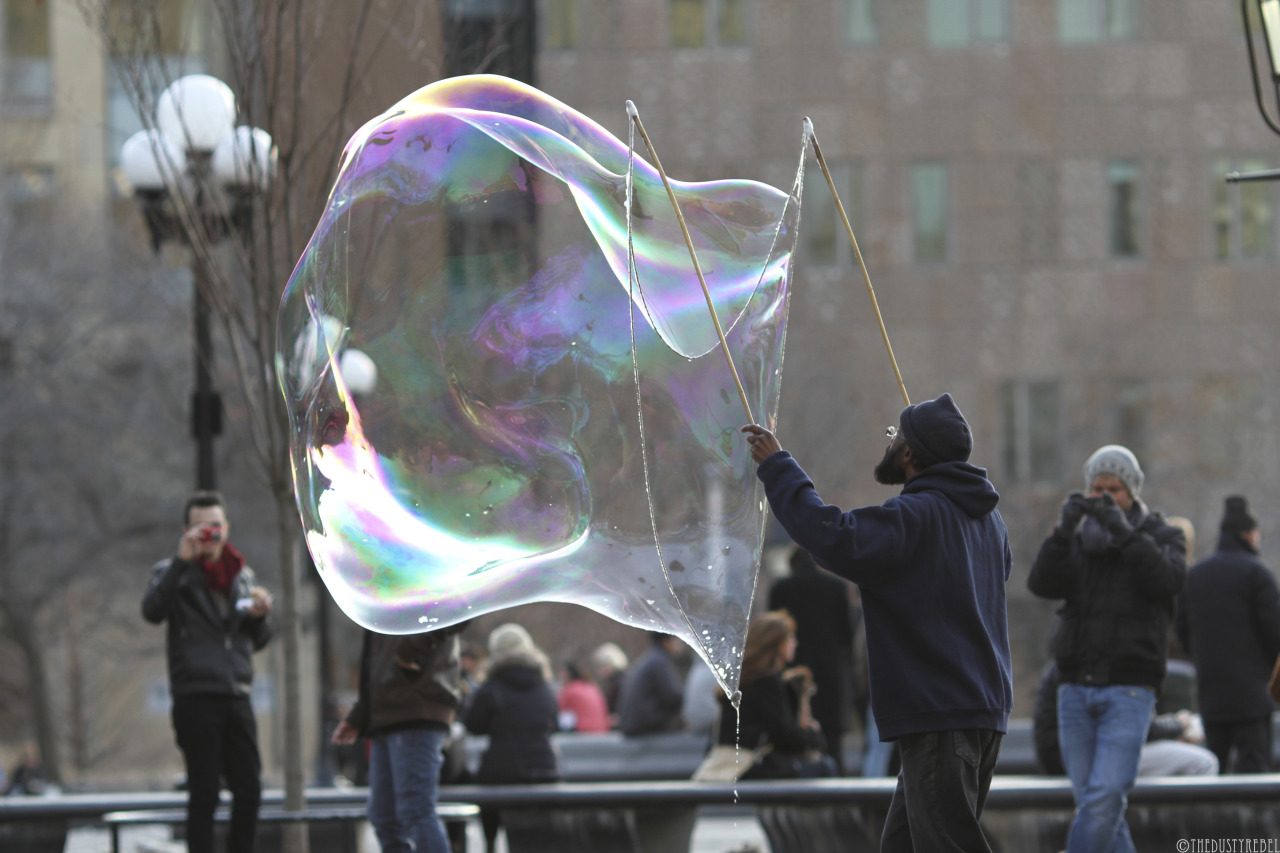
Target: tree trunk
pixel 41 705
pixel 76 721
pixel 295 835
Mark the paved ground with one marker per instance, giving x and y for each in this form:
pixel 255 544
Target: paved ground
pixel 712 834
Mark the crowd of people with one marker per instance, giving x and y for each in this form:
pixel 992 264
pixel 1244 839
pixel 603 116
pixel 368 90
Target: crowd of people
pixel 893 616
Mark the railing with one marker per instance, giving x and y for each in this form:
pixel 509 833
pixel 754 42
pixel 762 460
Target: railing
pixel 1027 813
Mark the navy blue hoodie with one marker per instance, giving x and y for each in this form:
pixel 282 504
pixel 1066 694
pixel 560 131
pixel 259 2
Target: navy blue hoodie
pixel 931 565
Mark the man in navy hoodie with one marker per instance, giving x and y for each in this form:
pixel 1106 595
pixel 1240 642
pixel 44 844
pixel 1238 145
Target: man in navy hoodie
pixel 931 564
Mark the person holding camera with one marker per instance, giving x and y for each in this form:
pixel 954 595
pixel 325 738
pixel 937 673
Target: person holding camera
pixel 217 618
pixel 1118 567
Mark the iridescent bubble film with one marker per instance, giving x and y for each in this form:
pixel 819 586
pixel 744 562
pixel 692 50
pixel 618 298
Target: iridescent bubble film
pixel 490 406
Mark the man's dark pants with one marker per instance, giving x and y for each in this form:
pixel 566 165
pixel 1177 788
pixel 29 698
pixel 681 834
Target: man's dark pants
pixel 1251 740
pixel 218 736
pixel 942 789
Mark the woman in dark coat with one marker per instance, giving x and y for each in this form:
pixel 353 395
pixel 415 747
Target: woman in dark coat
pixel 516 707
pixel 775 706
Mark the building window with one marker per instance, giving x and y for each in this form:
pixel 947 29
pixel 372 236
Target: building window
pixel 1244 224
pixel 27 70
pixel 1038 211
pixel 1093 21
pixel 489 37
pixel 929 211
pixel 1130 404
pixel 687 23
pixel 860 27
pixel 560 24
pixel 732 28
pixel 1030 411
pixel 1123 181
pixel 708 23
pixel 1219 406
pixel 955 23
pixel 825 243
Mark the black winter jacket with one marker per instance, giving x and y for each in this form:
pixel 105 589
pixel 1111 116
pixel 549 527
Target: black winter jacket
pixel 394 695
pixel 1229 621
pixel 768 716
pixel 517 709
pixel 209 644
pixel 821 606
pixel 1119 604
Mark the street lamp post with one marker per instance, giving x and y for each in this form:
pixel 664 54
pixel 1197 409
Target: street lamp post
pixel 1265 70
pixel 196 174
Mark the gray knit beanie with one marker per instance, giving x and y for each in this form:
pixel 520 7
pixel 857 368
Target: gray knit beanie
pixel 1117 460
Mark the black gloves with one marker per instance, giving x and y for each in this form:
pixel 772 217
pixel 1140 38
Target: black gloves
pixel 1110 516
pixel 1112 519
pixel 1073 510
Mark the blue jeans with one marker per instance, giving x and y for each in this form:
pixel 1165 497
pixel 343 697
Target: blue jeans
pixel 404 780
pixel 1101 730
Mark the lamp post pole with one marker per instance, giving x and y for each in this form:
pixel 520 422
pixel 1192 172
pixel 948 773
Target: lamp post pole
pixel 206 405
pixel 198 169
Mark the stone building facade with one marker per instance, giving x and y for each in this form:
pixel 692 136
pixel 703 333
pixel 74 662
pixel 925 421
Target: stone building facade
pixel 1037 190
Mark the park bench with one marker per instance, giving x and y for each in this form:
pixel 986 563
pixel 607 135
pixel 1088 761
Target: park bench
pixel 615 757
pixel 321 820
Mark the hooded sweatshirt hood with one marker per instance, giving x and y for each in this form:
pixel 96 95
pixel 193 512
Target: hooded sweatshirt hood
pixel 966 485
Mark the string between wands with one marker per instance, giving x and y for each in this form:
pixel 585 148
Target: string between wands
pixel 688 241
pixel 871 291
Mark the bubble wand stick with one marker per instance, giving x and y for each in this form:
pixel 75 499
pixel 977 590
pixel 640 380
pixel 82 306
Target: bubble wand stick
pixel 817 152
pixel 688 241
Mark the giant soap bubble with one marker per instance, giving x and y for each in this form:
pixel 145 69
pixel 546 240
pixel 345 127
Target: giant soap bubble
pixel 534 420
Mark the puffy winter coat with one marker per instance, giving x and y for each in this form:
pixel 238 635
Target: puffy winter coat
pixel 1118 603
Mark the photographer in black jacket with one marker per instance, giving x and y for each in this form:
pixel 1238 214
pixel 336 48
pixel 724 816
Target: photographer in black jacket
pixel 1118 567
pixel 217 619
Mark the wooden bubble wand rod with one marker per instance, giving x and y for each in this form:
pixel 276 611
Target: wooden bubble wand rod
pixel 817 152
pixel 634 115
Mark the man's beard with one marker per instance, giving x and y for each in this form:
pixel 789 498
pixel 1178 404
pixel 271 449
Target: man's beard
pixel 890 470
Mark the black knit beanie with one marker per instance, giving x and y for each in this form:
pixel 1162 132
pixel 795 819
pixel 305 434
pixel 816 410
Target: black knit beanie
pixel 1237 517
pixel 936 432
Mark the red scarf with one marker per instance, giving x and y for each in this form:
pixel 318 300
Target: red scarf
pixel 221 574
